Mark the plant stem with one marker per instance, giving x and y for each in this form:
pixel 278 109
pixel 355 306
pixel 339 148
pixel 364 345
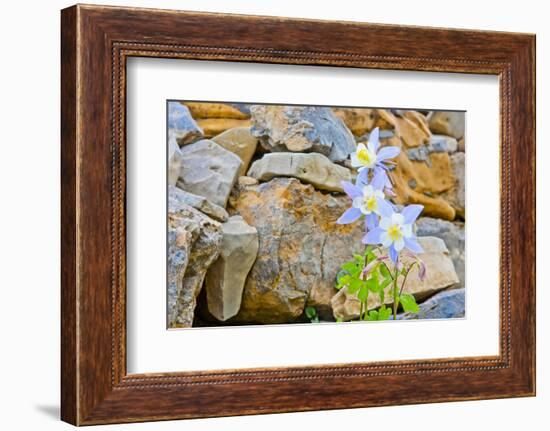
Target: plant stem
pixel 395 294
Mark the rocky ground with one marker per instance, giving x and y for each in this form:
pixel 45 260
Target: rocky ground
pixel 254 193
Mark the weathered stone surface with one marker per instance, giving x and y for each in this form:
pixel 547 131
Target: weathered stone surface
pixel 247 181
pixel 447 123
pixel 411 127
pixel 423 182
pixel 312 168
pixel 358 120
pixel 198 202
pixel 194 240
pixel 225 278
pixel 301 248
pixel 436 144
pixel 201 110
pixel 174 160
pixel 208 170
pixel 214 126
pixel 456 196
pixel 453 235
pixel 440 274
pixel 240 142
pixel 449 304
pixel 182 125
pixel 302 129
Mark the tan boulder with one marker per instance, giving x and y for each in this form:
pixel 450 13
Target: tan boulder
pixel 359 120
pixel 451 123
pixel 240 142
pixel 440 274
pixel 214 126
pixel 200 110
pixel 312 168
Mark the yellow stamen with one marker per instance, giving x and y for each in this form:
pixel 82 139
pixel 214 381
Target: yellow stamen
pixel 371 204
pixel 364 156
pixel 394 232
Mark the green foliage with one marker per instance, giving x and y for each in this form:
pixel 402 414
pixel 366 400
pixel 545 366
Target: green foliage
pixel 408 303
pixel 383 313
pixel 311 314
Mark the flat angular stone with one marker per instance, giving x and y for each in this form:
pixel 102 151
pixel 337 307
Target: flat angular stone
pixel 447 123
pixel 174 160
pixel 199 202
pixel 208 170
pixel 194 241
pixel 240 142
pixel 182 125
pixel 302 129
pixel 226 277
pixel 312 168
pixel 449 304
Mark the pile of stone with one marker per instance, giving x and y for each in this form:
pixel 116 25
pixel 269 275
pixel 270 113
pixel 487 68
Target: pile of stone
pixel 254 193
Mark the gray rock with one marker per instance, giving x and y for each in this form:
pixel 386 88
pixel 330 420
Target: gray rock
pixel 449 304
pixel 194 241
pixel 208 170
pixel 450 123
pixel 301 249
pixel 436 144
pixel 302 129
pixel 239 141
pixel 456 196
pixel 312 168
pixel 198 202
pixel 453 235
pixel 182 125
pixel 225 279
pixel 174 160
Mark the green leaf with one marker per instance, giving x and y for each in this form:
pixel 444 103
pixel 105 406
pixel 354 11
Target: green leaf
pixel 349 266
pixel 372 284
pixel 311 312
pixel 363 293
pixel 384 313
pixel 409 303
pixel 373 315
pixel 354 285
pixel 339 320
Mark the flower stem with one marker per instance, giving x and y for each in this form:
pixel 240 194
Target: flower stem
pixel 395 294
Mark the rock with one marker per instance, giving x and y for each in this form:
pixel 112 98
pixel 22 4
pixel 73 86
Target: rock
pixel 182 125
pixel 440 274
pixel 461 145
pixel 358 120
pixel 214 126
pixel 449 304
pixel 453 235
pixel 225 278
pixel 447 123
pixel 247 181
pixel 312 168
pixel 198 202
pixel 201 110
pixel 240 142
pixel 302 129
pixel 174 160
pixel 194 240
pixel 301 248
pixel 423 182
pixel 208 170
pixel 412 128
pixel 456 196
pixel 442 143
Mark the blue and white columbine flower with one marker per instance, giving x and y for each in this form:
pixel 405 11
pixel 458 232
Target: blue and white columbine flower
pixel 367 157
pixel 395 230
pixel 366 200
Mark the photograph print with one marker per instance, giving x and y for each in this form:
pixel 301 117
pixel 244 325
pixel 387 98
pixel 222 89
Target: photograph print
pixel 297 214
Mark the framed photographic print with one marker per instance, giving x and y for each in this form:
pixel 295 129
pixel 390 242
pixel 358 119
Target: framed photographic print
pixel 287 215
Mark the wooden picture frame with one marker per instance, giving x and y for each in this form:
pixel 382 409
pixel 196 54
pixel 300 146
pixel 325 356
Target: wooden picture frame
pixel 95 43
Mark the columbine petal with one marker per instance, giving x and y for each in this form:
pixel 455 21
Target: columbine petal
pixel 349 216
pixel 362 177
pixel 351 190
pixel 393 254
pixel 384 207
pixel 374 139
pixel 385 239
pixel 397 218
pixel 373 236
pixel 399 244
pixel 413 245
pixel 385 223
pixel 379 179
pixel 387 153
pixel 411 213
pixel 371 221
pixel 355 160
